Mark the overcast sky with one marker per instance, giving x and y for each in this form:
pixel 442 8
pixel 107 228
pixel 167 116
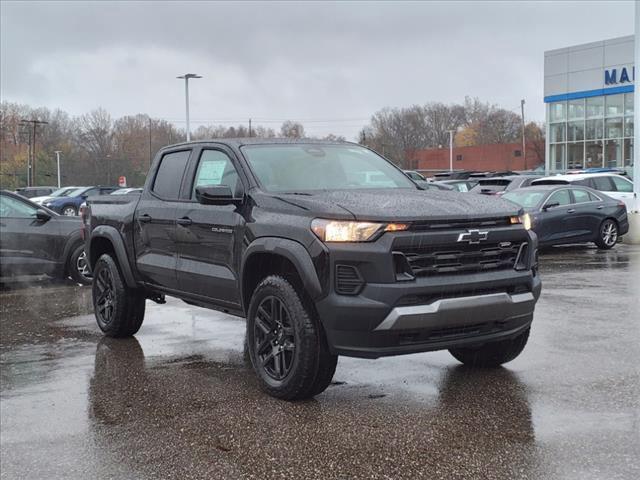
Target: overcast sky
pixel 329 65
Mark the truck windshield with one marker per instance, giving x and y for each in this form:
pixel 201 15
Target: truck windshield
pixel 308 167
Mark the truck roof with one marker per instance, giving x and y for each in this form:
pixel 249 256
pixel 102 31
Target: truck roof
pixel 238 142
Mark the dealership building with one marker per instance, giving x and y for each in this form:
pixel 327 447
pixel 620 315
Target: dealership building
pixel 588 92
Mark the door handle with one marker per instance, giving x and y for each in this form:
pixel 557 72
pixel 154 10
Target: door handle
pixel 571 210
pixel 600 207
pixel 185 221
pixel 146 218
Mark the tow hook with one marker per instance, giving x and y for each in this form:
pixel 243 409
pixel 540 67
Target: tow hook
pixel 157 297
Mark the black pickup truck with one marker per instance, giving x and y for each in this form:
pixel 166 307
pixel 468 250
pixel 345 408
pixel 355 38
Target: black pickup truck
pixel 325 248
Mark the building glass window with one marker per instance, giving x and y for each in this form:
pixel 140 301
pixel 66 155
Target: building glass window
pixel 628 127
pixel 614 105
pixel 594 155
pixel 595 107
pixel 575 131
pixel 576 109
pixel 558 111
pixel 557 157
pixel 575 155
pixel 594 129
pixel 613 127
pixel 613 153
pixel 628 103
pixel 628 152
pixel 557 132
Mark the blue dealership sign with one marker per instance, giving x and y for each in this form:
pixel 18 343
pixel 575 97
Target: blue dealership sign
pixel 626 75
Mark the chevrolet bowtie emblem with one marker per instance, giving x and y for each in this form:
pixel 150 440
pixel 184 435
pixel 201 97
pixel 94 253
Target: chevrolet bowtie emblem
pixel 473 236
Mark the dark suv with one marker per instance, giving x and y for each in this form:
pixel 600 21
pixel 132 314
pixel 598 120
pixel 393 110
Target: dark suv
pixel 325 248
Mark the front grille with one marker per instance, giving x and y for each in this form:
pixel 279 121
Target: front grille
pixel 460 224
pixel 348 280
pixel 440 260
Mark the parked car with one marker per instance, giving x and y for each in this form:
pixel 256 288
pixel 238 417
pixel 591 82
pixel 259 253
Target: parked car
pixel 61 192
pixel 37 241
pixel 611 184
pixel 69 204
pixel 561 214
pixel 320 261
pixel 461 185
pixel 29 192
pixel 501 185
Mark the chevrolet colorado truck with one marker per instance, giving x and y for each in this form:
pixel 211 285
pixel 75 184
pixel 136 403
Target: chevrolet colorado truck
pixel 325 248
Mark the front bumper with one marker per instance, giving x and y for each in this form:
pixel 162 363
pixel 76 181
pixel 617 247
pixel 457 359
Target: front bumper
pixel 427 313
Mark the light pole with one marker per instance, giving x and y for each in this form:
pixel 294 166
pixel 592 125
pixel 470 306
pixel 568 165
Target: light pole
pixel 57 152
pixel 524 143
pixel 186 78
pixel 451 132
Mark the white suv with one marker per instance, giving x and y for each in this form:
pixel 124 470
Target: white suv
pixel 611 184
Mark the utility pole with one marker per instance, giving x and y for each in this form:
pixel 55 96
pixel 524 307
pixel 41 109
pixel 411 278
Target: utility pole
pixel 186 78
pixel 524 143
pixel 149 141
pixel 31 178
pixel 249 128
pixel 451 132
pixel 57 152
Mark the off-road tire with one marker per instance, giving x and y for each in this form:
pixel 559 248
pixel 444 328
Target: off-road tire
pixel 312 365
pixel 126 305
pixel 604 241
pixel 72 266
pixel 492 354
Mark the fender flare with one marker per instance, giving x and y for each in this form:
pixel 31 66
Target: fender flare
pixel 293 251
pixel 111 234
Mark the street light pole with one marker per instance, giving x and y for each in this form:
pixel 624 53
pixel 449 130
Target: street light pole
pixel 524 144
pixel 57 152
pixel 186 78
pixel 451 150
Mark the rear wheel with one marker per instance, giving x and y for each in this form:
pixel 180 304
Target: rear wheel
pixel 78 267
pixel 286 343
pixel 608 234
pixel 69 211
pixel 119 310
pixel 492 354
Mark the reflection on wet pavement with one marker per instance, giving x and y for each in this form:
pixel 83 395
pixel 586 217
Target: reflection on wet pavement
pixel 178 401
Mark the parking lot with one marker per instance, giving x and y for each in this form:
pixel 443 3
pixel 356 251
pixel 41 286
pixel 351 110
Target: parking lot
pixel 178 400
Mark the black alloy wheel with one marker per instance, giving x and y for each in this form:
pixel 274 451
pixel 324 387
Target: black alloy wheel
pixel 105 296
pixel 274 338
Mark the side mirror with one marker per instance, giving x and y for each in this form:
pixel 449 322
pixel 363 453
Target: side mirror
pixel 43 215
pixel 215 195
pixel 550 205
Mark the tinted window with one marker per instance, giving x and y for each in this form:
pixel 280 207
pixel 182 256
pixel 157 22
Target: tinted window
pixel 13 208
pixel 622 185
pixel 561 197
pixel 215 168
pixel 581 196
pixel 602 183
pixel 169 176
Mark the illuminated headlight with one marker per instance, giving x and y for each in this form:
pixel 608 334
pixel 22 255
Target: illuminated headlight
pixel 341 231
pixel 524 219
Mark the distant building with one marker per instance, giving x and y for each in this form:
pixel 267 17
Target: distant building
pixel 588 91
pixel 505 156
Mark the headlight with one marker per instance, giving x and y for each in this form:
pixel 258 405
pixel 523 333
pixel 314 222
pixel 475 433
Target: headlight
pixel 524 219
pixel 345 231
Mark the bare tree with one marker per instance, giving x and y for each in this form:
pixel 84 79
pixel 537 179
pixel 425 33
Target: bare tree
pixel 291 129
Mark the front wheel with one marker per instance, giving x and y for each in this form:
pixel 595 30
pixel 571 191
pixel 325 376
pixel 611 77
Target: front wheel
pixel 607 235
pixel 492 354
pixel 119 310
pixel 286 344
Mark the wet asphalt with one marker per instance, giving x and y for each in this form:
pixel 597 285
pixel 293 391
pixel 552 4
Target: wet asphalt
pixel 178 400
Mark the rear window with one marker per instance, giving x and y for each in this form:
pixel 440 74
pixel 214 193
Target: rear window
pixel 622 184
pixel 603 184
pixel 169 175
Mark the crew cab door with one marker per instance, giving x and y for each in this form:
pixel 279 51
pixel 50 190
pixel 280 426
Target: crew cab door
pixel 209 235
pixel 28 245
pixel 154 221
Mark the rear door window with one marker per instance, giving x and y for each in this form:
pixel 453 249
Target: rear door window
pixel 169 176
pixel 604 184
pixel 581 196
pixel 622 185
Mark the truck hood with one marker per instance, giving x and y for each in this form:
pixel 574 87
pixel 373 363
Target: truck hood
pixel 400 204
